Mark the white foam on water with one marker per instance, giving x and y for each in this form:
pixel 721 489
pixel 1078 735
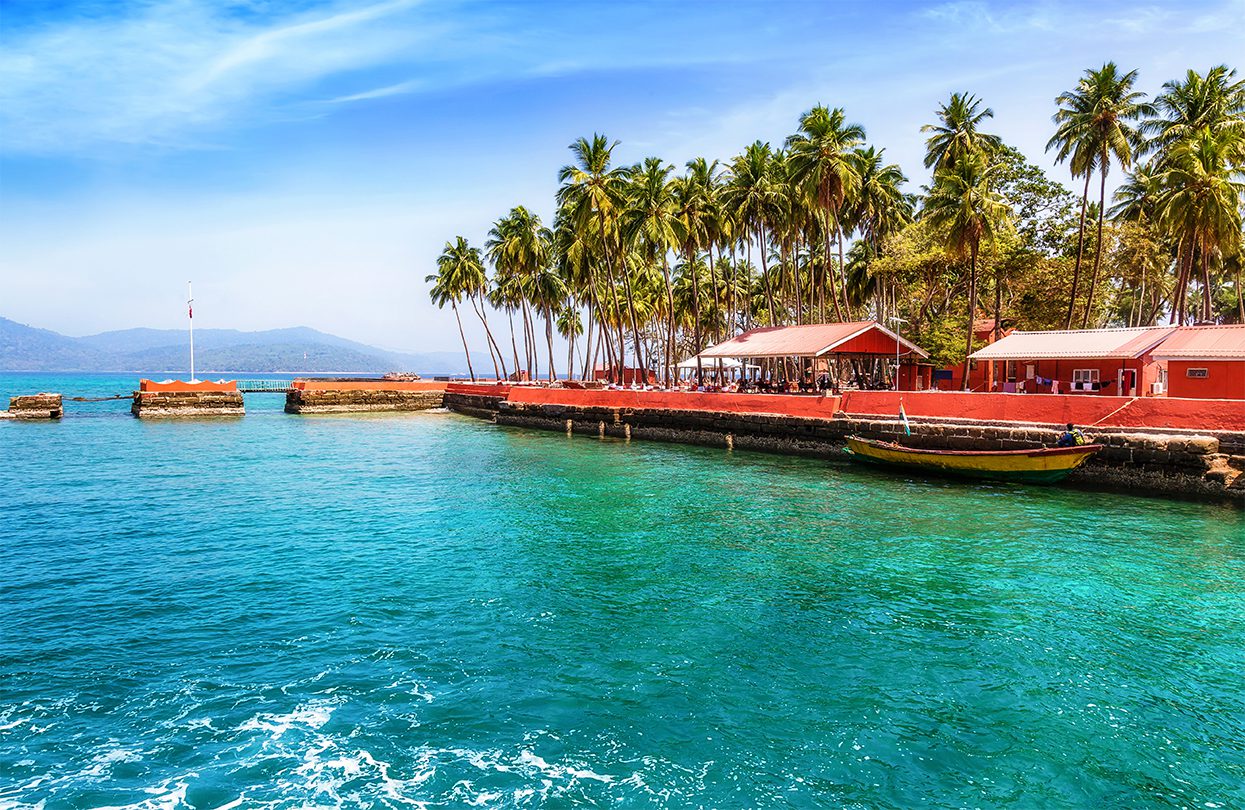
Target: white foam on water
pixel 310 716
pixel 169 795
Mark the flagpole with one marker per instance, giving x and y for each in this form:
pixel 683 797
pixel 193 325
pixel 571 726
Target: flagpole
pixel 190 314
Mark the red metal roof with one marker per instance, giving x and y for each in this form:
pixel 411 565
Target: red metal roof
pixel 811 340
pixel 1080 344
pixel 1225 342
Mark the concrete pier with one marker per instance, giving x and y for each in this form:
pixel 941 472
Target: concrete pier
pixel 363 396
pixel 177 399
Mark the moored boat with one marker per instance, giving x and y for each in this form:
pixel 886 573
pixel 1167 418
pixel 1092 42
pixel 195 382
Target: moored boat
pixel 1043 465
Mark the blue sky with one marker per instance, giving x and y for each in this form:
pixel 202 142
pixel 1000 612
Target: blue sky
pixel 303 162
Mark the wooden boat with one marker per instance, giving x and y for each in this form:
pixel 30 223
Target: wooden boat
pixel 1043 466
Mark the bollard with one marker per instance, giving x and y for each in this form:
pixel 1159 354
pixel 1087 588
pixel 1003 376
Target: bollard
pixel 569 428
pixel 601 430
pixel 730 441
pixel 627 431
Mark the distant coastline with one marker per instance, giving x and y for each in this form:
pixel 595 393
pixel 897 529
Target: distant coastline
pixel 26 348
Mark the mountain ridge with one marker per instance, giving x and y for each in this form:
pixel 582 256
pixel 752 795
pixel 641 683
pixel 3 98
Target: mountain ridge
pixel 143 349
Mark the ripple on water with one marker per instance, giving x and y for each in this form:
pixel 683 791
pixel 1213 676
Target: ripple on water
pixel 420 611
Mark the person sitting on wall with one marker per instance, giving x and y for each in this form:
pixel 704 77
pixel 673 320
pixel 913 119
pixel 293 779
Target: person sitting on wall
pixel 1072 437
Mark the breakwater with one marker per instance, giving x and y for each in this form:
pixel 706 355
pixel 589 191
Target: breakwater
pixel 1190 449
pixel 35 406
pixel 361 396
pixel 178 399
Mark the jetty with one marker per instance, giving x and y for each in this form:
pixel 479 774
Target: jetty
pixel 180 399
pixel 355 395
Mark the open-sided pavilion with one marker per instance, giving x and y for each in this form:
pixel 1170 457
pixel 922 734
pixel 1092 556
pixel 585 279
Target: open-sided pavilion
pixel 859 354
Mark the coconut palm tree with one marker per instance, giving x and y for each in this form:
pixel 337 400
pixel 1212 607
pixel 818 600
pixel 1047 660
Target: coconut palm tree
pixel 957 134
pixel 752 199
pixel 520 247
pixel 694 209
pixel 963 204
pixel 822 163
pixel 1183 109
pixel 880 208
pixel 650 221
pixel 1095 130
pixel 460 274
pixel 591 198
pixel 1200 207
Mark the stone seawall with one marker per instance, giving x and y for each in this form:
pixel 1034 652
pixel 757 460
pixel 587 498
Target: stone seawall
pixel 177 404
pixel 35 406
pixel 359 400
pixel 483 406
pixel 1177 463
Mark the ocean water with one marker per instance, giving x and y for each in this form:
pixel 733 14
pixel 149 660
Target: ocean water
pixel 432 611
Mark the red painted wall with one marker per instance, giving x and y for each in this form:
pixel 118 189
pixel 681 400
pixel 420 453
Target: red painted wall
pixel 369 385
pixel 781 404
pixel 1225 379
pixel 1086 411
pixel 477 389
pixel 183 386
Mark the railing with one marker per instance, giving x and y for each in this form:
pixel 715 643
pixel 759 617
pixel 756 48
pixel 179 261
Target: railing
pixel 265 386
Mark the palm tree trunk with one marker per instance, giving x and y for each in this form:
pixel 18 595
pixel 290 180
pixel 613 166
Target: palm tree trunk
pixel 1240 296
pixel 470 371
pixel 635 322
pixel 717 305
pixel 492 344
pixel 829 274
pixel 513 347
pixel 769 288
pixel 1093 284
pixel 691 263
pixel 972 311
pixel 553 375
pixel 1080 246
pixel 838 229
pixel 670 355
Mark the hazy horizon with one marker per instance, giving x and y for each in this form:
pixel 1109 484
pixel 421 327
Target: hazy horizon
pixel 304 163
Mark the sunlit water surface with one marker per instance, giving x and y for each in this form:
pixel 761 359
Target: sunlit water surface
pixel 281 611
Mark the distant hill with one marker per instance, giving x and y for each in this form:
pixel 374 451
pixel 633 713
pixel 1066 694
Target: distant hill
pixel 26 348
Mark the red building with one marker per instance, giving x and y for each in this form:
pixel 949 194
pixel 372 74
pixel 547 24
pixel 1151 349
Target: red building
pixel 1205 362
pixel 857 354
pixel 1117 362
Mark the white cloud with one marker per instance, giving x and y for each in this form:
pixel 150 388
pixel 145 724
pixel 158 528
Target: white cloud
pixel 164 73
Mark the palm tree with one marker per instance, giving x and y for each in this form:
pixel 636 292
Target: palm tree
pixel 1201 207
pixel 591 198
pixel 962 203
pixel 1184 108
pixel 1135 198
pixel 694 206
pixel 956 135
pixel 520 247
pixel 821 162
pixel 880 208
pixel 650 221
pixel 460 274
pixel 1094 127
pixel 752 198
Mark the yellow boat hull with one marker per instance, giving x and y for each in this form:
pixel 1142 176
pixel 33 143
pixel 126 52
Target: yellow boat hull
pixel 1042 465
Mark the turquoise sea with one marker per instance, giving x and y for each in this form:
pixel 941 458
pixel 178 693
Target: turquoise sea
pixel 431 611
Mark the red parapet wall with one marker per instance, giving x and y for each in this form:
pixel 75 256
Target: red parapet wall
pixel 779 404
pixel 477 389
pixel 181 386
pixel 1047 409
pixel 369 385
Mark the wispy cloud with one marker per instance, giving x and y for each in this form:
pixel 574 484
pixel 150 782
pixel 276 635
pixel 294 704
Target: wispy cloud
pixel 161 74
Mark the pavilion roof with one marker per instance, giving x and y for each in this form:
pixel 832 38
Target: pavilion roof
pixel 1080 344
pixel 810 340
pixel 1223 342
